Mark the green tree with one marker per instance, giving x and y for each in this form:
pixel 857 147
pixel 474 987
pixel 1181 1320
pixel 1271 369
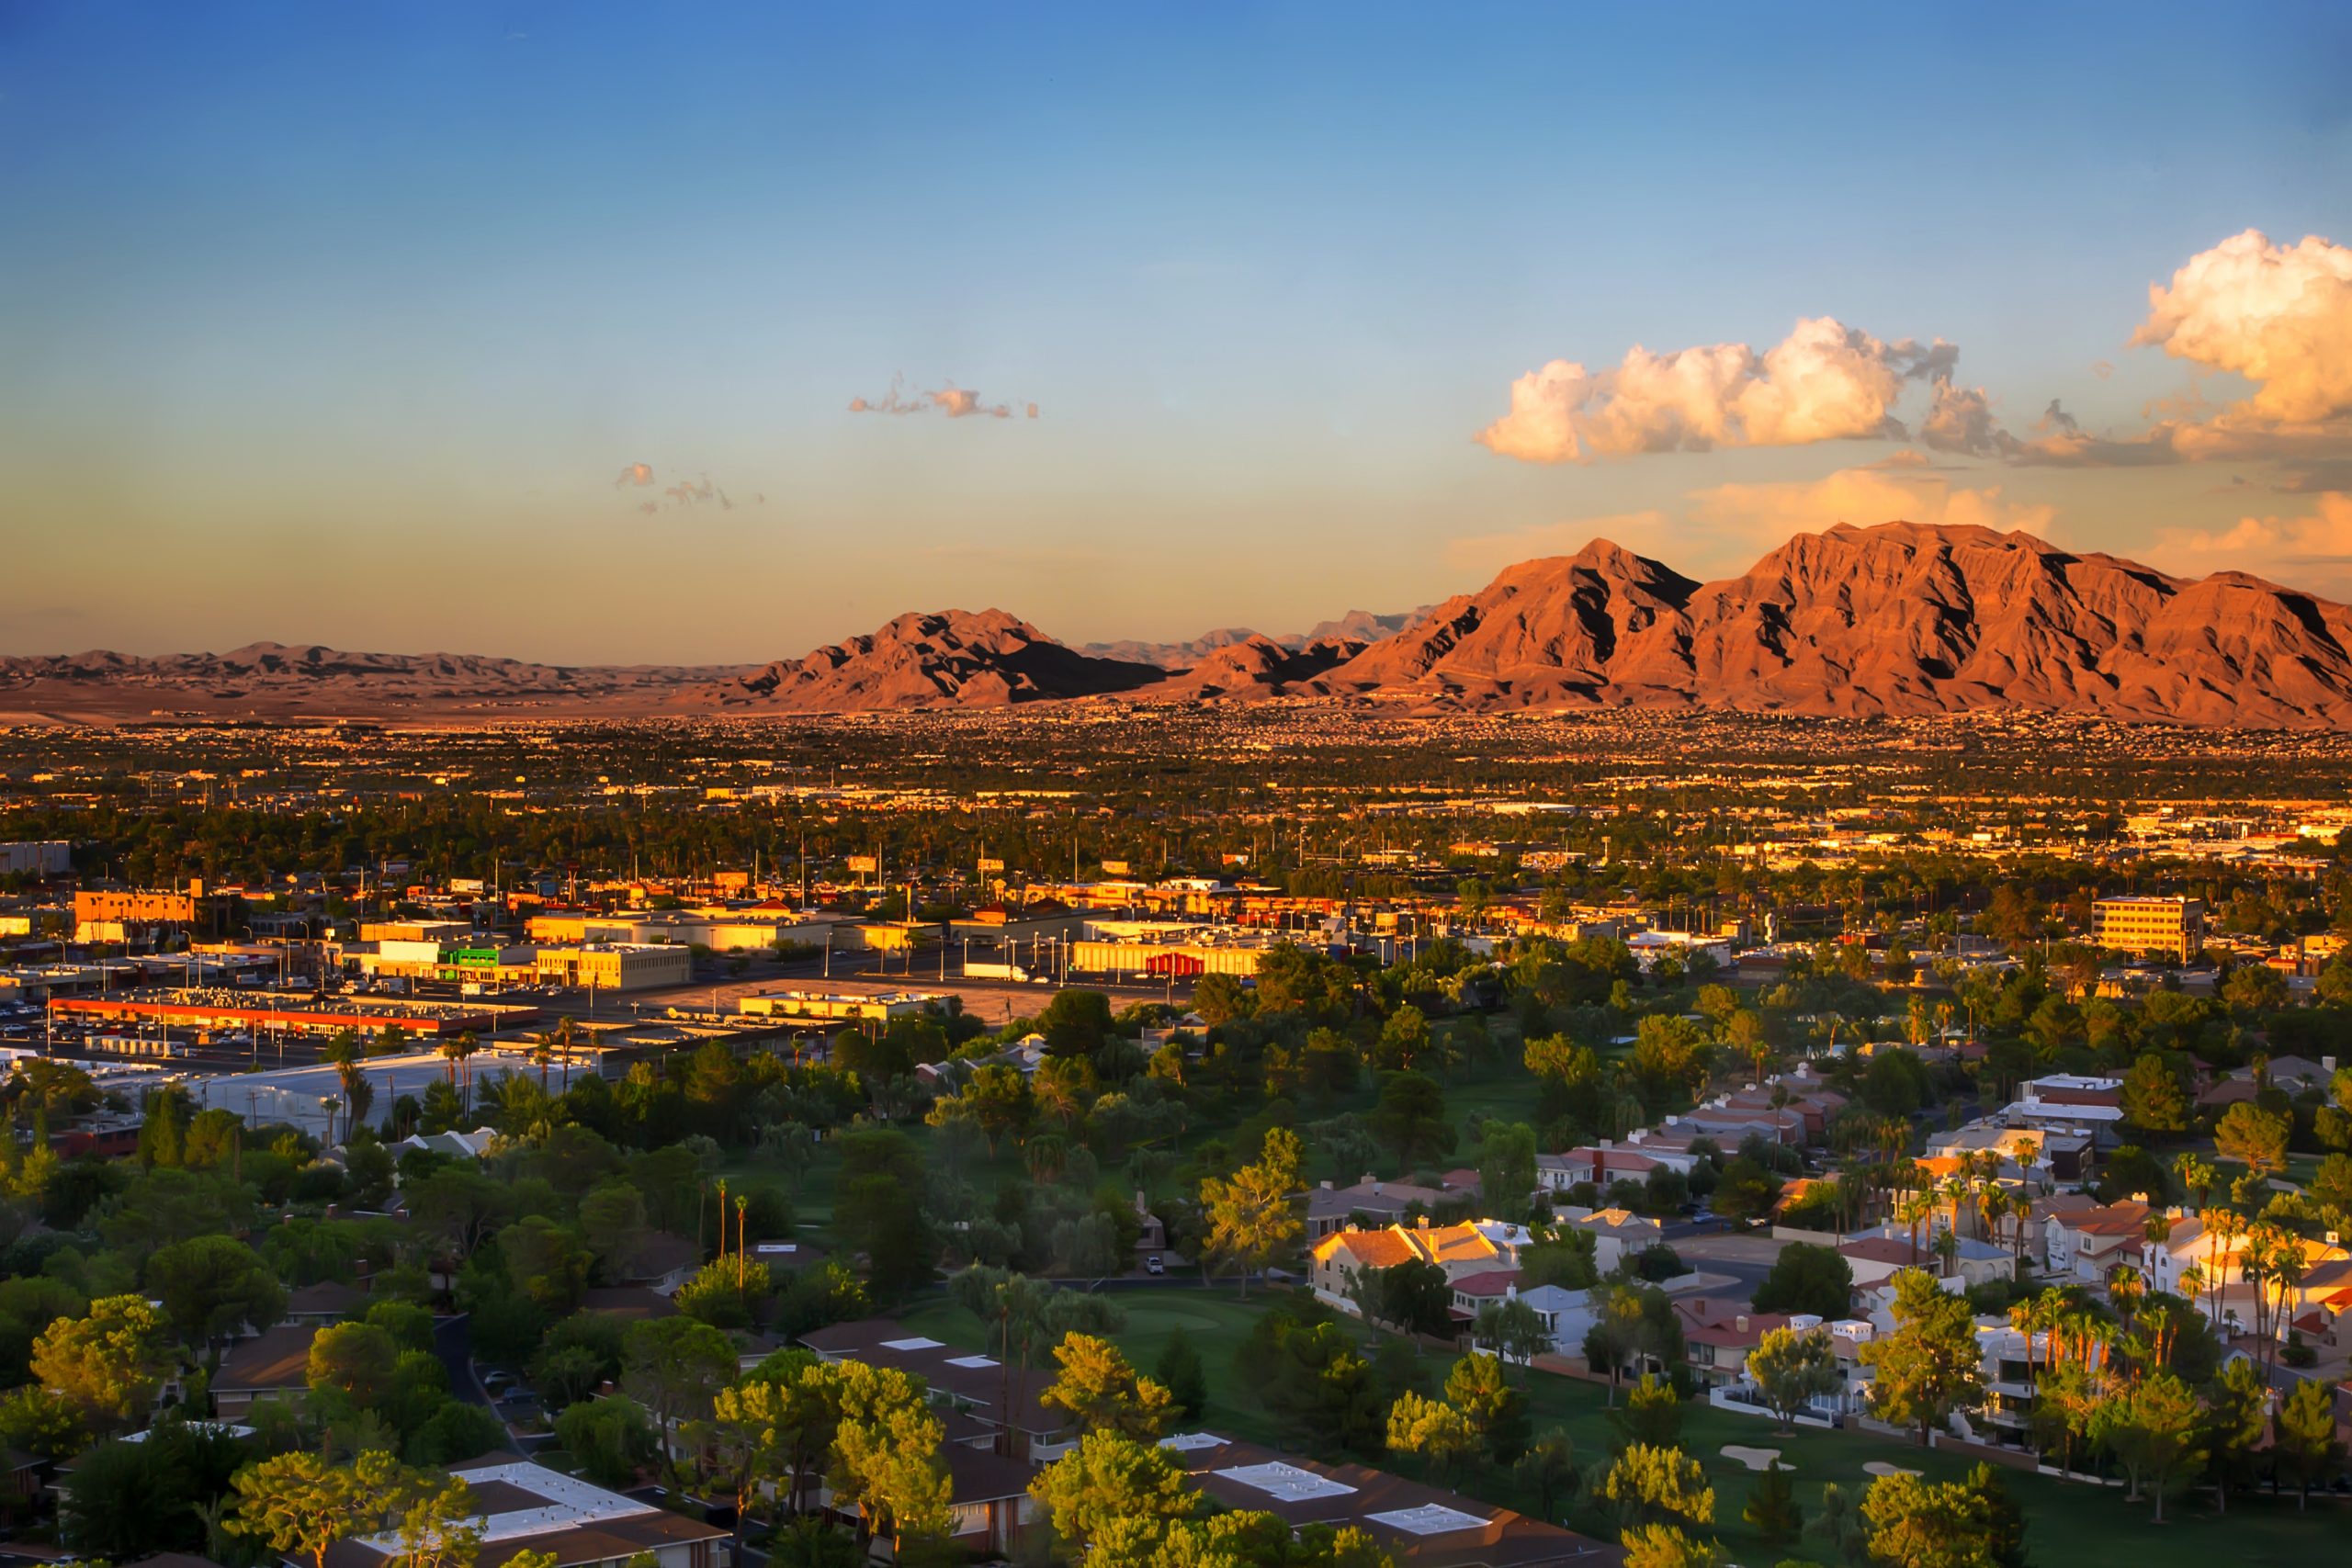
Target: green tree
pixel 1744 1190
pixel 1411 1119
pixel 2254 1136
pixel 1917 1523
pixel 1179 1371
pixel 886 1455
pixel 1441 1435
pixel 355 1362
pixel 1772 1510
pixel 212 1286
pixel 1102 1393
pixel 1251 1221
pixel 1807 1279
pixel 1657 1486
pixel 1791 1370
pixel 1652 1415
pixel 1506 1165
pixel 748 1444
pixel 674 1366
pixel 105 1363
pixel 1108 1478
pixel 2307 1444
pixel 2156 1429
pixel 1929 1365
pixel 301 1505
pixel 2155 1098
pixel 1497 1412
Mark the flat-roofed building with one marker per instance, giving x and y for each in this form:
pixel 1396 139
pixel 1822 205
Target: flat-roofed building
pixel 521 1507
pixel 2174 925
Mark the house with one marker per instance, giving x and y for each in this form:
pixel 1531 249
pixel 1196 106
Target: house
pixel 1720 1335
pixel 1418 1526
pixel 329 1301
pixel 1873 1259
pixel 1371 1203
pixel 991 1497
pixel 2093 1106
pixel 1006 1399
pixel 1459 1250
pixel 2091 1244
pixel 662 1261
pixel 1616 1233
pixel 1599 1164
pixel 528 1507
pixel 275 1363
pixel 1151 1235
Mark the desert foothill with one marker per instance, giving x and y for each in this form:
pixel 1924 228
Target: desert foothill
pixel 1241 786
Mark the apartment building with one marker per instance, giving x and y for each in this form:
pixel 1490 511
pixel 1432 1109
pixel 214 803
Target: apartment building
pixel 2142 925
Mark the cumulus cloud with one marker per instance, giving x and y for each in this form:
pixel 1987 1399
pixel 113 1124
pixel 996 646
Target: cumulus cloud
pixel 1962 421
pixel 1826 381
pixel 2280 316
pixel 954 401
pixel 635 474
pixel 2315 549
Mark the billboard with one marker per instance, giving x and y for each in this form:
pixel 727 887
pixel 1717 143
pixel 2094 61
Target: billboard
pixel 868 865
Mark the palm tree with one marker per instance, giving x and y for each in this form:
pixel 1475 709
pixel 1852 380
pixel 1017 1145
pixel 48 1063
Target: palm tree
pixel 1914 1212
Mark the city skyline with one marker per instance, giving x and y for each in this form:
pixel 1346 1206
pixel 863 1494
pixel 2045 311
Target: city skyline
pixel 572 333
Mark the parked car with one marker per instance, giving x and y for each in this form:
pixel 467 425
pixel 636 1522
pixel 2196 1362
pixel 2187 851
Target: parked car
pixel 1152 1265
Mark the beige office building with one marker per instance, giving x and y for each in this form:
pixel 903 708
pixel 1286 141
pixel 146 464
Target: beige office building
pixel 2176 926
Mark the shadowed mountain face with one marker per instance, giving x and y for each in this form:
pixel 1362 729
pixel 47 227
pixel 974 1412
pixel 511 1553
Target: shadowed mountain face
pixel 952 658
pixel 1899 619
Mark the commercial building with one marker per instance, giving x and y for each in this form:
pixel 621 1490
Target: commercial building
pixel 1169 949
pixel 132 916
pixel 814 1007
pixel 209 1010
pixel 2173 926
pixel 53 857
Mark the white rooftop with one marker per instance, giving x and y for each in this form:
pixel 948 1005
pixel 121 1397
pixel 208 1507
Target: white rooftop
pixel 1185 1442
pixel 917 1343
pixel 569 1503
pixel 1430 1519
pixel 1286 1481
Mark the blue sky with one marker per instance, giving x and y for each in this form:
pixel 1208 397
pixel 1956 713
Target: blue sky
pixel 335 321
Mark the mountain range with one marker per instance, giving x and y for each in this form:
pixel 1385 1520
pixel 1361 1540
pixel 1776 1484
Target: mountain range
pixel 1899 619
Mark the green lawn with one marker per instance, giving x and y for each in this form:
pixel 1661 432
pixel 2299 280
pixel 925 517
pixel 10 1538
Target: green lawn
pixel 2067 1525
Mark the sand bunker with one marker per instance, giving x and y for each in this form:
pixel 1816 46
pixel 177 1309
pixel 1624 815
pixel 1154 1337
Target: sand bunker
pixel 1878 1467
pixel 1754 1459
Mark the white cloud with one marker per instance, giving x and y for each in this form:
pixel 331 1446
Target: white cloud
pixel 1826 381
pixel 2280 316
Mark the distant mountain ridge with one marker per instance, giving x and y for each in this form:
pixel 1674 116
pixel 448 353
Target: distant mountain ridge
pixel 1900 619
pixel 1356 626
